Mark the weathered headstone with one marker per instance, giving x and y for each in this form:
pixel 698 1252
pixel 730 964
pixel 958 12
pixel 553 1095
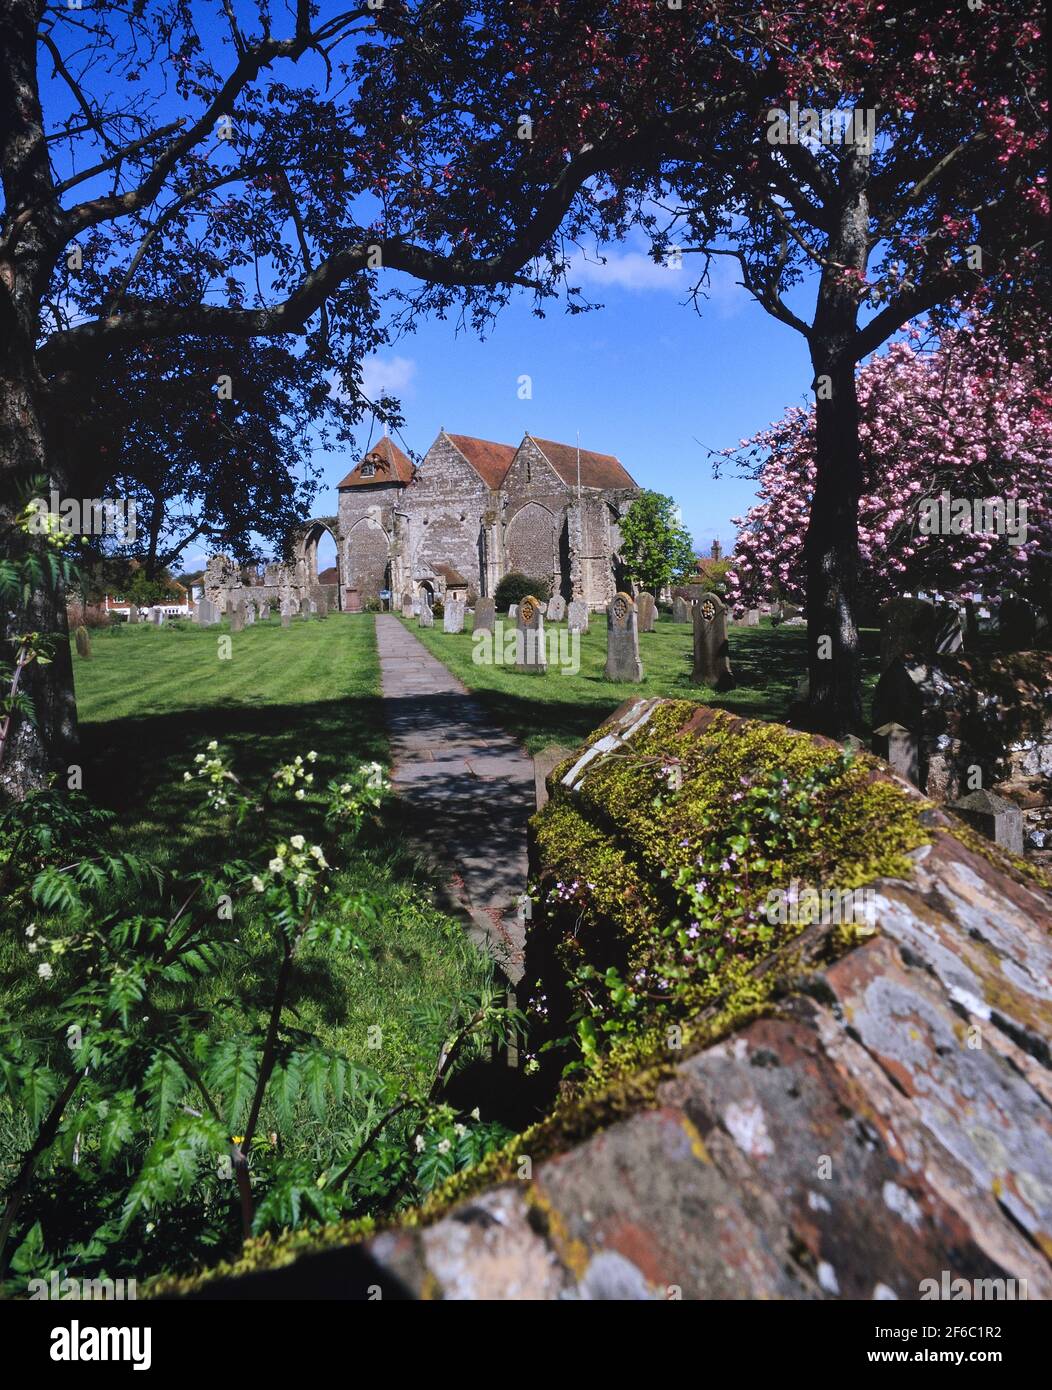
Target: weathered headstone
pixel 993 816
pixel 237 617
pixel 305 608
pixel 646 612
pixel 577 615
pixel 530 654
pixel 426 617
pixel 907 628
pixel 264 612
pixel 752 617
pixel 157 616
pixel 1018 624
pixel 205 614
pixel 322 607
pixel 556 608
pixel 622 641
pixel 133 613
pixel 947 629
pixel 898 747
pixel 312 605
pixel 513 612
pixel 250 613
pixel 485 613
pixel 286 618
pixel 453 615
pixel 711 654
pixel 407 604
pixel 681 610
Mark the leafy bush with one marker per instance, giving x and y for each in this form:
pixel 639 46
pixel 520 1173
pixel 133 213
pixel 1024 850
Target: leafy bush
pixel 514 587
pixel 147 1126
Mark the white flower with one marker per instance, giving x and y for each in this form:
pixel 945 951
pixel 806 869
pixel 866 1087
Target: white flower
pixel 475 1114
pixel 302 880
pixel 212 746
pixel 444 1146
pixel 257 883
pixel 276 866
pixel 200 758
pixel 44 970
pixel 316 853
pixel 300 794
pixel 420 1143
pixel 31 930
pixel 297 842
pixel 312 757
pixel 309 778
pixel 460 1130
pixel 32 947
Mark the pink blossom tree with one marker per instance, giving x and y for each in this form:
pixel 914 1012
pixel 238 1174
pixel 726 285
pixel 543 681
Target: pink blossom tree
pixel 960 421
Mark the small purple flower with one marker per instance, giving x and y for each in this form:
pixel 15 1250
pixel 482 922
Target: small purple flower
pixel 692 931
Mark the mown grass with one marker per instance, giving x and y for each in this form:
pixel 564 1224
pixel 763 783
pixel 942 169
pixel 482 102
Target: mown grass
pixel 149 699
pixel 562 708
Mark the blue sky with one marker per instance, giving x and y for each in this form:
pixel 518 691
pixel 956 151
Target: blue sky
pixel 645 378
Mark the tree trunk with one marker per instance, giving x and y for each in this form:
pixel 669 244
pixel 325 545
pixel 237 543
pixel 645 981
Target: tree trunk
pixel 831 554
pixel 47 743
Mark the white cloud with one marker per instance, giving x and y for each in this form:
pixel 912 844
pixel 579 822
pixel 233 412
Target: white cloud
pixel 628 270
pixel 392 376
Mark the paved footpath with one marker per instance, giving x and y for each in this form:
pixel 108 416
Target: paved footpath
pixel 469 788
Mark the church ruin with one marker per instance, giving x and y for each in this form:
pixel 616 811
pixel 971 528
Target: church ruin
pixel 472 511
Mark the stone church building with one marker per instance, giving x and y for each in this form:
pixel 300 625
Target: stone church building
pixel 470 512
pixel 473 510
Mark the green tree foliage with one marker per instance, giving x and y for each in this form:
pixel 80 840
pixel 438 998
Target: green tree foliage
pixel 514 587
pixel 655 545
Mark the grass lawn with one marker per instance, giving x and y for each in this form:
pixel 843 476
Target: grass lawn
pixel 556 708
pixel 150 698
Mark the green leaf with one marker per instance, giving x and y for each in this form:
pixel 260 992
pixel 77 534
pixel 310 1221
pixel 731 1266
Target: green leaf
pixel 165 1082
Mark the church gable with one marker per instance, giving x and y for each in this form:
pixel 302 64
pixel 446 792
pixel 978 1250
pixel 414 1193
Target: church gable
pixel 445 471
pixel 531 474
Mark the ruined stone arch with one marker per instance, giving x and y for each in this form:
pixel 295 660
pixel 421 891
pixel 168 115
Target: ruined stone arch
pixel 307 555
pixel 531 542
pixel 367 557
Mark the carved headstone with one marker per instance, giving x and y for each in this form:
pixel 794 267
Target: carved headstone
pixel 681 610
pixel 577 615
pixel 425 618
pixel 711 653
pixel 530 651
pixel 622 641
pixel 485 613
pixel 898 747
pixel 157 615
pixel 407 604
pixel 237 617
pixel 250 613
pixel 453 615
pixel 556 608
pixel 646 612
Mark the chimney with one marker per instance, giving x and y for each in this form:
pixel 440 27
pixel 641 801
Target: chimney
pixel 717 549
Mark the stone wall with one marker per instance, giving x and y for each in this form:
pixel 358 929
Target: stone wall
pixel 852 1113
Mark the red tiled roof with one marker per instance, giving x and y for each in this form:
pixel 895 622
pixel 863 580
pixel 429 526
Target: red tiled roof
pixel 329 576
pixel 597 470
pixel 392 466
pixel 489 460
pixel 454 579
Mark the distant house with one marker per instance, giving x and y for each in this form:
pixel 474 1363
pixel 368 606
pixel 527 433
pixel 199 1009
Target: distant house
pixel 179 604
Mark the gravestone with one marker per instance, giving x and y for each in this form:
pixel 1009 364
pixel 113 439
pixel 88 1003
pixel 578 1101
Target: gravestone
pixel 1018 624
pixel 947 629
pixel 312 605
pixel 646 612
pixel 453 615
pixel 907 628
pixel 322 607
pixel 206 614
pixel 711 654
pixel 485 613
pixel 157 616
pixel 305 608
pixel 530 655
pixel 426 617
pixel 513 612
pixel 622 641
pixel 250 613
pixel 286 618
pixel 407 605
pixel 681 610
pixel 752 618
pixel 993 816
pixel 556 608
pixel 237 617
pixel 577 615
pixel 898 747
pixel 133 613
pixel 264 613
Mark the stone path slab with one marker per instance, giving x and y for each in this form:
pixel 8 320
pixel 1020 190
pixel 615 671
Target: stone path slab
pixel 468 787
